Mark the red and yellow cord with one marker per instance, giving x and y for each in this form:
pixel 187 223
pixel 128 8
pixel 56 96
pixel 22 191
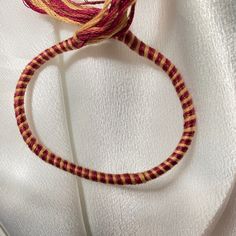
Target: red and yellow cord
pixel 122 34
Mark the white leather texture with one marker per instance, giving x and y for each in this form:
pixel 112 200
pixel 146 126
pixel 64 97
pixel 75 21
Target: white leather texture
pixel 108 109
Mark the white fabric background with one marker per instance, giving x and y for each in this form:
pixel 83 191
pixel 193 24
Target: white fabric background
pixel 106 108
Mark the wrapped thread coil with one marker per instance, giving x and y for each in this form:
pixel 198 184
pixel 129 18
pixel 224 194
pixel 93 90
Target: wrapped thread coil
pixel 128 38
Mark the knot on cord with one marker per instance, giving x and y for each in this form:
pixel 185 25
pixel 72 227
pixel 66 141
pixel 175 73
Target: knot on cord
pixel 99 20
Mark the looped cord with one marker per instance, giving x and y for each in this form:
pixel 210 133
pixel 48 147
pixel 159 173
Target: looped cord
pixel 111 21
pixel 97 24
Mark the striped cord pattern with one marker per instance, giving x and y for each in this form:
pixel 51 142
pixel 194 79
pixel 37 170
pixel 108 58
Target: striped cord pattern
pixel 129 39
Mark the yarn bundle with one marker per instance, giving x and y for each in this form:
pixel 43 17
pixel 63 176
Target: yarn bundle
pixel 96 24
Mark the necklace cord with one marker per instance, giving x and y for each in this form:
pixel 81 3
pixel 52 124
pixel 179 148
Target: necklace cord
pixel 101 24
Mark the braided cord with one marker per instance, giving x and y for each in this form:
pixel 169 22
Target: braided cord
pixel 130 40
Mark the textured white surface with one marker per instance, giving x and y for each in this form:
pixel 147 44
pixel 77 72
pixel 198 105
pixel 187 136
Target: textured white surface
pixel 122 115
pixel 35 199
